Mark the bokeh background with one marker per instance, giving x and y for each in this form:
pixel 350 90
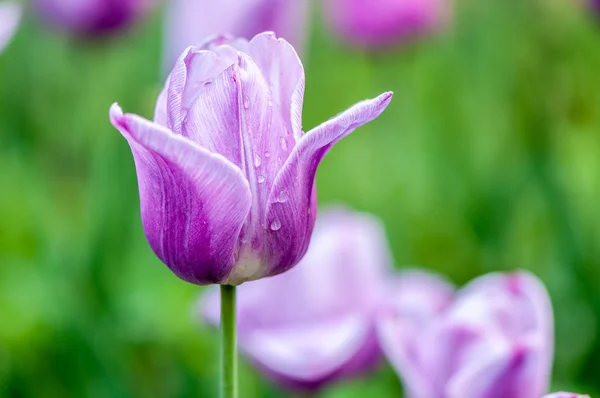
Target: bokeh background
pixel 487 159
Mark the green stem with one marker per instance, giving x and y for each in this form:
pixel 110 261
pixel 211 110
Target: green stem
pixel 228 343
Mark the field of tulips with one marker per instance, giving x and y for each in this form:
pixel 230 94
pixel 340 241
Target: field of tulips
pixel 450 247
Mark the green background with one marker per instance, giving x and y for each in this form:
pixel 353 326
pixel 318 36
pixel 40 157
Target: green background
pixel 487 159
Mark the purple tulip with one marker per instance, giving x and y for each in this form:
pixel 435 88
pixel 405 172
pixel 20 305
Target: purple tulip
pixel 92 17
pixel 565 395
pixel 315 324
pixel 385 22
pixel 492 339
pixel 225 172
pixel 10 15
pixel 191 22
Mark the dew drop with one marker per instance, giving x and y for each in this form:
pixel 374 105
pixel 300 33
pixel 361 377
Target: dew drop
pixel 279 159
pixel 246 102
pixel 261 179
pixel 267 154
pixel 276 225
pixel 283 196
pixel 270 103
pixel 257 160
pixel 284 144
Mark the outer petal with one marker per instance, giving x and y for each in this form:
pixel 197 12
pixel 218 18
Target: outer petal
pixel 310 354
pixel 193 203
pixel 291 205
pixel 565 395
pixel 418 299
pixel 516 305
pixel 10 15
pixel 497 369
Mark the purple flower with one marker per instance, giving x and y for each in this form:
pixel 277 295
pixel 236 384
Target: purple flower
pixel 191 22
pixel 565 395
pixel 226 174
pixel 91 17
pixel 385 22
pixel 10 15
pixel 315 324
pixel 492 339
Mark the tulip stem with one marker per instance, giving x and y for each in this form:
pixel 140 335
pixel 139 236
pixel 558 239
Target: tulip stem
pixel 228 343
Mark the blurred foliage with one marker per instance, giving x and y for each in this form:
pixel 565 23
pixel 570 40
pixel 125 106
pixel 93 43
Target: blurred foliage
pixel 488 159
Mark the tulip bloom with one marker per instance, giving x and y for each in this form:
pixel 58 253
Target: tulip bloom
pixel 191 22
pixel 91 17
pixel 385 22
pixel 565 395
pixel 492 339
pixel 315 324
pixel 10 15
pixel 226 174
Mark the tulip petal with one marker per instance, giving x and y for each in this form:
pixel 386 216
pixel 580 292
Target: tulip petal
pixel 282 69
pixel 419 298
pixel 192 74
pixel 193 202
pixel 496 369
pixel 308 352
pixel 291 205
pixel 10 15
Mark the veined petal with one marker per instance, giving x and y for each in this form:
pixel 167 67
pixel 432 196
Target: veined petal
pixel 193 202
pixel 10 15
pixel 283 70
pixel 193 73
pixel 291 206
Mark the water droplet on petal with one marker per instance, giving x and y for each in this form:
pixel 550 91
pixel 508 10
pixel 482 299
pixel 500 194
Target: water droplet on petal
pixel 261 179
pixel 246 102
pixel 270 103
pixel 267 154
pixel 284 144
pixel 276 224
pixel 287 131
pixel 283 196
pixel 279 159
pixel 257 160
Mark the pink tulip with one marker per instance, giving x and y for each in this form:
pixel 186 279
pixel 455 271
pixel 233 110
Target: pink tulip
pixel 491 339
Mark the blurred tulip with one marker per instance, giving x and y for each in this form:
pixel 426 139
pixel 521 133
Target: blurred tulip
pixel 565 395
pixel 226 174
pixel 315 324
pixel 191 22
pixel 492 339
pixel 10 15
pixel 92 17
pixel 385 22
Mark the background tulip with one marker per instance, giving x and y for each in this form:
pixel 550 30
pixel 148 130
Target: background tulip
pixel 385 22
pixel 492 340
pixel 226 174
pixel 310 326
pixel 191 22
pixel 91 17
pixel 10 14
pixel 565 395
